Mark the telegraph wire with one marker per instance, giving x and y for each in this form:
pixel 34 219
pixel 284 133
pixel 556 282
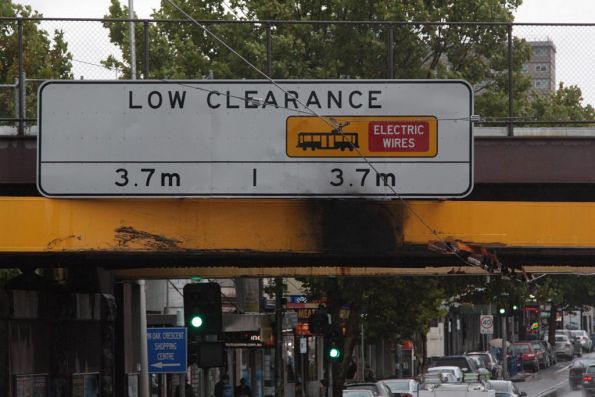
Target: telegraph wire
pixel 329 120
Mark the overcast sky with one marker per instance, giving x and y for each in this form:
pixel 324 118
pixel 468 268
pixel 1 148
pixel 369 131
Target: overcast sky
pixel 575 46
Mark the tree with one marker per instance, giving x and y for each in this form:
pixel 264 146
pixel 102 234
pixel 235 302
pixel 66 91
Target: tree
pixel 565 104
pixel 476 53
pixel 45 58
pixel 408 306
pixel 564 292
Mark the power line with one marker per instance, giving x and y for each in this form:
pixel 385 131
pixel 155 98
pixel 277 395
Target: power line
pixel 330 121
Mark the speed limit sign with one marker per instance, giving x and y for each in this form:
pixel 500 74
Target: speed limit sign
pixel 486 324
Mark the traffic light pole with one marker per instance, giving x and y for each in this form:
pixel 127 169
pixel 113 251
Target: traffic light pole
pixel 279 337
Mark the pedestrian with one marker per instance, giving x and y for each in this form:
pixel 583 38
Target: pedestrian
pixel 188 390
pixel 369 374
pixel 351 369
pixel 223 388
pixel 243 390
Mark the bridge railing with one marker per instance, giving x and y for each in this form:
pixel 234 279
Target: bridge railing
pixel 523 75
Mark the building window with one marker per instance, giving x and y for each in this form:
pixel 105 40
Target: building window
pixel 541 84
pixel 539 51
pixel 541 68
pixel 525 68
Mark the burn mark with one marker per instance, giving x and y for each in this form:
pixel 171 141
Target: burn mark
pixel 57 242
pixel 370 228
pixel 127 235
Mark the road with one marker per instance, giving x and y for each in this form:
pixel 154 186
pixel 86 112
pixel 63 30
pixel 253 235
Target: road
pixel 551 382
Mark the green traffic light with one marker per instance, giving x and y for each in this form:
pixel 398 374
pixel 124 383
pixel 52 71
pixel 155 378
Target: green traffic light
pixel 334 353
pixel 196 321
pixel 502 310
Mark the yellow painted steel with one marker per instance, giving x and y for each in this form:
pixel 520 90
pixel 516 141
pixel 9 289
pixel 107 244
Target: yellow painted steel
pixel 322 271
pixel 32 224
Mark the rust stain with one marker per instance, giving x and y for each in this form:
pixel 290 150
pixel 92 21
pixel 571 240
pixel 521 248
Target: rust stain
pixel 57 242
pixel 127 235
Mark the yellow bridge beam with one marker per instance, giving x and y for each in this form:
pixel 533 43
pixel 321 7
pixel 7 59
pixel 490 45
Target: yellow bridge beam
pixel 34 225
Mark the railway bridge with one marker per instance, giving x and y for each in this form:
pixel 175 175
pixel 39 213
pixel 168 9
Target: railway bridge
pixel 532 204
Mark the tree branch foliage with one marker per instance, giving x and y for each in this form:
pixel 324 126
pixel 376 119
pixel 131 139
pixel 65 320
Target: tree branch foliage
pixel 44 57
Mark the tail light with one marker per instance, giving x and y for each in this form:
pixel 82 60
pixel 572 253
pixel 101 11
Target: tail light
pixel 587 378
pixel 568 344
pixel 530 355
pixel 406 395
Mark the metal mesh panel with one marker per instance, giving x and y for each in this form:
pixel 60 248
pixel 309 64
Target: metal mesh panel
pixel 544 59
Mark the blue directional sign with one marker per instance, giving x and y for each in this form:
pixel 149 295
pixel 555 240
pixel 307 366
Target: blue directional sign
pixel 167 350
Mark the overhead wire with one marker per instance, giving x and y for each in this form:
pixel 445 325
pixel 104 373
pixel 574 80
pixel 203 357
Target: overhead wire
pixel 328 120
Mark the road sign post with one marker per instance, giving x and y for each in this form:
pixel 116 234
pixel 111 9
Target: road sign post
pixel 167 350
pixel 319 138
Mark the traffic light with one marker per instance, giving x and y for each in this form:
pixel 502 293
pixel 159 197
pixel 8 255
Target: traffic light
pixel 333 343
pixel 502 310
pixel 202 308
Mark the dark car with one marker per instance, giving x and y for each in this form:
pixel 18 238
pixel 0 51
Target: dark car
pixel 528 355
pixel 577 370
pixel 589 381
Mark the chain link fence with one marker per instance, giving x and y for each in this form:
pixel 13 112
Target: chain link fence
pixel 524 75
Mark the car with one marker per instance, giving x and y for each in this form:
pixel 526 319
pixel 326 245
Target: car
pixel 528 355
pixel 542 356
pixel 401 387
pixel 491 363
pixel 466 364
pixel 589 381
pixel 454 370
pixel 564 347
pixel 577 371
pixel 583 338
pixel 379 389
pixel 505 388
pixel 549 350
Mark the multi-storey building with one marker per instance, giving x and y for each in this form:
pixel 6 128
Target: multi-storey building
pixel 542 66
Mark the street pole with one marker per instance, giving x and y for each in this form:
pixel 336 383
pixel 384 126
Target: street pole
pixel 330 380
pixel 144 359
pixel 181 377
pixel 504 352
pixel 363 357
pixel 279 337
pixel 132 41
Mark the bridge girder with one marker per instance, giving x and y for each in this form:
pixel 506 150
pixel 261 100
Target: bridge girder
pixel 166 234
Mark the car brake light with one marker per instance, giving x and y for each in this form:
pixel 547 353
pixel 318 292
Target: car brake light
pixel 587 378
pixel 530 355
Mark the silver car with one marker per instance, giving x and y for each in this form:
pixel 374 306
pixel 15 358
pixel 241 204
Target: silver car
pixel 583 339
pixel 564 347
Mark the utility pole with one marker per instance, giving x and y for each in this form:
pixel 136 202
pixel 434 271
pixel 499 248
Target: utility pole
pixel 279 392
pixel 132 41
pixel 504 350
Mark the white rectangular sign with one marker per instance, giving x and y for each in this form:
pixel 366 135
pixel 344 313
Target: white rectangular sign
pixel 339 138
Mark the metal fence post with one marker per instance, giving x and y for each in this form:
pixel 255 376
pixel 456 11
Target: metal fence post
pixel 391 53
pixel 510 75
pixel 269 51
pixel 146 49
pixel 21 92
